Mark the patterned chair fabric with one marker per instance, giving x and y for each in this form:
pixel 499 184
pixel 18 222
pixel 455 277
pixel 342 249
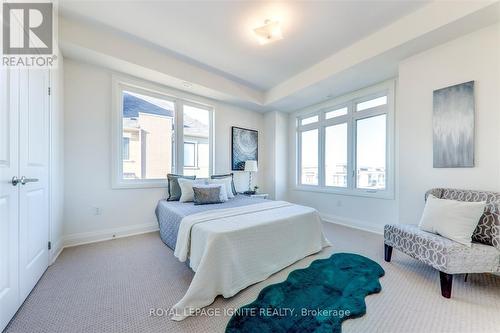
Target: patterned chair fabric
pixel 441 253
pixel 488 228
pixel 446 255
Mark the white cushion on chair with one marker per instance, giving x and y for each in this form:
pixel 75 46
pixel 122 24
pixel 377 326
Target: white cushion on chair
pixel 452 219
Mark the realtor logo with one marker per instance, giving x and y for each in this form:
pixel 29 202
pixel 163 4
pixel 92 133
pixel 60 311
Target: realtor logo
pixel 28 35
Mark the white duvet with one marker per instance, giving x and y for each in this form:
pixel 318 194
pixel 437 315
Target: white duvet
pixel 230 249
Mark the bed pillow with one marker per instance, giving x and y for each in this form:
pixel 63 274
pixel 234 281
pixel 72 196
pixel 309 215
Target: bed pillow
pixel 174 190
pixel 223 192
pixel 186 185
pixel 229 175
pixel 208 194
pixel 227 183
pixel 452 219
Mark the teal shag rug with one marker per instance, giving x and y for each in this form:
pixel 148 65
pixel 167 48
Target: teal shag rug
pixel 314 299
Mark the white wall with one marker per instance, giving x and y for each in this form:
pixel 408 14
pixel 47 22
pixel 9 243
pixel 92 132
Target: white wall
pixel 88 161
pixel 473 57
pixel 227 116
pixel 57 158
pixel 276 143
pixel 281 157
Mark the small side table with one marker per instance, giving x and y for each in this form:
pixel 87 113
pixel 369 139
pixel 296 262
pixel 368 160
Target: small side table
pixel 259 195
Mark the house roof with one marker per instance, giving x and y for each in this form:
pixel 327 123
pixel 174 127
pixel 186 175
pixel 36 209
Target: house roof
pixel 132 105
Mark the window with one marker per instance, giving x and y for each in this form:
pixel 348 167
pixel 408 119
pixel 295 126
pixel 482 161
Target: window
pixel 336 155
pixel 346 146
pixel 309 120
pixel 371 103
pixel 196 141
pixel 149 141
pixel 148 128
pixel 189 155
pixel 336 113
pixel 370 152
pixel 309 153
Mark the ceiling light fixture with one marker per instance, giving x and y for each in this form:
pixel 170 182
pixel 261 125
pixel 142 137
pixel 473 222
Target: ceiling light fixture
pixel 269 32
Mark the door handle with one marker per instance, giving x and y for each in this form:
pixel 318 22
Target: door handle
pixel 14 181
pixel 25 180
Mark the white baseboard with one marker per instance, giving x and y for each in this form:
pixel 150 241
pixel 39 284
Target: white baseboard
pixel 351 223
pixel 57 248
pixel 112 233
pixel 107 234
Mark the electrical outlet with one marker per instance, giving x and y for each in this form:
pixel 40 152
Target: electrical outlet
pixel 97 210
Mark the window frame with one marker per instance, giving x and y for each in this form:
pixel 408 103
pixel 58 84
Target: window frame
pixel 350 101
pixel 195 157
pixel 122 83
pixel 128 149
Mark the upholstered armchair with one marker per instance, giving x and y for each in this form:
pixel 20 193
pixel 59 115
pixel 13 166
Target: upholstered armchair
pixel 445 255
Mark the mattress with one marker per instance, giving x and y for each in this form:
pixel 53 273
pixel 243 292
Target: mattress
pixel 171 213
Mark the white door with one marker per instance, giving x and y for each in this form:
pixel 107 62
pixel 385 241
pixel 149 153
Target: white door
pixel 34 173
pixel 9 196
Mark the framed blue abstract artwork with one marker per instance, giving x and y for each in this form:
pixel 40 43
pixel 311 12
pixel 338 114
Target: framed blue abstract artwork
pixel 244 147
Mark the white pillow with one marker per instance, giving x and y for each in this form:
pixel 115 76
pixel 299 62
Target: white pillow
pixel 186 185
pixel 227 183
pixel 223 192
pixel 452 219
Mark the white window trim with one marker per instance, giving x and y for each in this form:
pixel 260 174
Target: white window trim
pixel 195 166
pixel 118 83
pixel 349 100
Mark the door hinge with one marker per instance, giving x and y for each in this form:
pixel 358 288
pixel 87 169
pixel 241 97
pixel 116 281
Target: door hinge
pixel 49 91
pixel 49 245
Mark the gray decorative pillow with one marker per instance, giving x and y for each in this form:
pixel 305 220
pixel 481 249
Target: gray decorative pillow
pixel 204 195
pixel 226 176
pixel 174 190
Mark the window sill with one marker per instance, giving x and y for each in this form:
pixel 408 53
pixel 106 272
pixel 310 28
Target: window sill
pixel 386 195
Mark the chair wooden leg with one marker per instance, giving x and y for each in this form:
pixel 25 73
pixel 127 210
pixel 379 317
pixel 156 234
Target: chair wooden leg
pixel 387 252
pixel 446 283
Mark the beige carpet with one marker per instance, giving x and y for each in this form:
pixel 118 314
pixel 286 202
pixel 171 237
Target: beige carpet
pixel 111 287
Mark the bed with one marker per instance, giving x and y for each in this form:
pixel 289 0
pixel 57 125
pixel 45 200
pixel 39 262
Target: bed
pixel 233 245
pixel 171 213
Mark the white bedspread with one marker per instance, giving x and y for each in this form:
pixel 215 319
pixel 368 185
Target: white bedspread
pixel 230 249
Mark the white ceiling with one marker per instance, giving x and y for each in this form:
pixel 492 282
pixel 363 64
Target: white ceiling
pixel 217 35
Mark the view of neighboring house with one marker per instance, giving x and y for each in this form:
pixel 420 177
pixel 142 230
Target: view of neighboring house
pixel 148 135
pixel 147 138
pixel 196 141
